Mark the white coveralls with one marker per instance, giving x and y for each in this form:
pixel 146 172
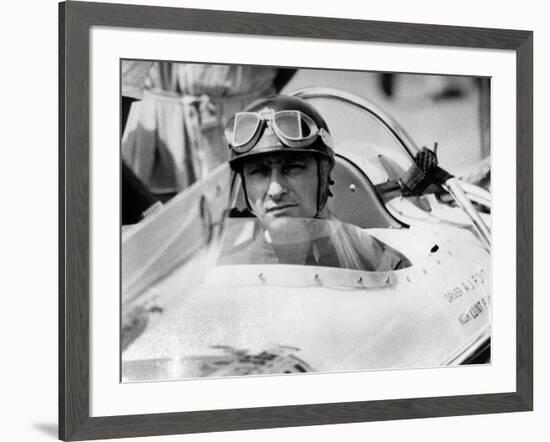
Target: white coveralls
pixel 174 136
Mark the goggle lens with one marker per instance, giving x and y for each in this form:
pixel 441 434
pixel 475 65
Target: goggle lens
pixel 245 127
pixel 289 124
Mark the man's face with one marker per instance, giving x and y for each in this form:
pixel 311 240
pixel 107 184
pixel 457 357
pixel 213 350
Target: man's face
pixel 282 185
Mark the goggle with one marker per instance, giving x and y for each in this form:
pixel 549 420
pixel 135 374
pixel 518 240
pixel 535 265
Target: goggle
pixel 293 128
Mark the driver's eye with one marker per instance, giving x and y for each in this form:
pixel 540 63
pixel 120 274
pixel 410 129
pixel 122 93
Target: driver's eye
pixel 294 167
pixel 257 171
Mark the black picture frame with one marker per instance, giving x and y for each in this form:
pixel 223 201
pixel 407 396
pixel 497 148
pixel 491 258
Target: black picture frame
pixel 75 21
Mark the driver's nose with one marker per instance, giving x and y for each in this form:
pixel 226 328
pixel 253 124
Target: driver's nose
pixel 276 187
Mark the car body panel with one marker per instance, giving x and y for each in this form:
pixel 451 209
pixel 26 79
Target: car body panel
pixel 421 316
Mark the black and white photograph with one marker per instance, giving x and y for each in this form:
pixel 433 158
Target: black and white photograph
pixel 283 220
pixel 277 221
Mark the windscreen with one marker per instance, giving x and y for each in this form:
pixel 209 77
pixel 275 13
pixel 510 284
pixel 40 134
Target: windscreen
pixel 310 242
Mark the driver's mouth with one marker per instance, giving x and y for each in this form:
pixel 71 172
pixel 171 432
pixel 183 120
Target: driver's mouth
pixel 279 208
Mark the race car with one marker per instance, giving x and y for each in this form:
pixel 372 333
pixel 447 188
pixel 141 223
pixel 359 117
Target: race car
pixel 195 303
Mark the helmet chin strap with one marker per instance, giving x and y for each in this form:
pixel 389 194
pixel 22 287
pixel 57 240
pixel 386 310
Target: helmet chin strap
pixel 319 208
pixel 318 188
pixel 248 205
pixel 321 205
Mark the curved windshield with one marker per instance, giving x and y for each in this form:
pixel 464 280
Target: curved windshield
pixel 359 133
pixel 310 242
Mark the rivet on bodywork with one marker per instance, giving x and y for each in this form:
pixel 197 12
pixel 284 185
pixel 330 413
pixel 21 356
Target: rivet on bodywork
pixel 438 261
pixel 262 277
pixel 424 271
pixel 408 279
pixel 360 280
pixel 352 188
pixel 387 280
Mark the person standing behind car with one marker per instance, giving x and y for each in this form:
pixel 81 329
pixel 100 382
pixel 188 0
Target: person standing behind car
pixel 175 135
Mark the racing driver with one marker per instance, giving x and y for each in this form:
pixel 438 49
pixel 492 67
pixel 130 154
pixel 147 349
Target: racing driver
pixel 282 149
